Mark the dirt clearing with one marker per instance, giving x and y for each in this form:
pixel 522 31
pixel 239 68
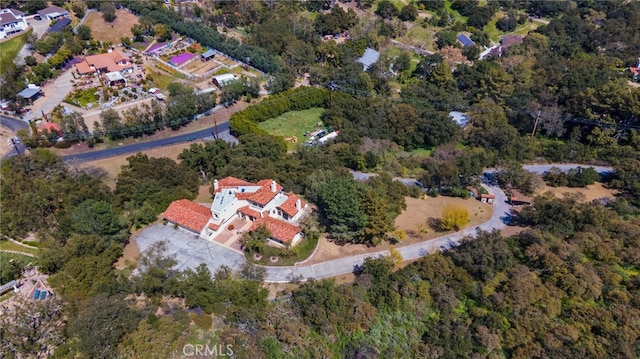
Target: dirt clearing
pixel 113 165
pixel 130 256
pixel 588 194
pixel 5 140
pixel 111 31
pixel 413 221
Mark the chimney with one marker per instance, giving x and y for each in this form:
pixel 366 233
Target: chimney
pixel 273 186
pixel 298 204
pixel 215 185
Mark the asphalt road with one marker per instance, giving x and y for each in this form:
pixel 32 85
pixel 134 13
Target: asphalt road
pixel 14 125
pixel 143 146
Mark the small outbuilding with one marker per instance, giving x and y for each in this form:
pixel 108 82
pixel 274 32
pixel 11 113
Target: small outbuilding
pixel 31 93
pixel 207 55
pixel 53 12
pixel 59 25
pixel 114 78
pixel 487 198
pixel 465 40
pixel 223 80
pixel 369 58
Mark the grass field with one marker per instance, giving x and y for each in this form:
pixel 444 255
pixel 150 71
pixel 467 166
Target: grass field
pixel 10 246
pixel 10 49
pixel 293 124
pixel 111 31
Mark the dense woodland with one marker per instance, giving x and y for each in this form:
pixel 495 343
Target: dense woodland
pixel 568 286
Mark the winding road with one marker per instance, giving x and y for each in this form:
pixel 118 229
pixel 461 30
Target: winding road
pixel 223 130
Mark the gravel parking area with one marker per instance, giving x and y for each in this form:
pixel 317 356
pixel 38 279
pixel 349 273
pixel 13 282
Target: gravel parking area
pixel 190 251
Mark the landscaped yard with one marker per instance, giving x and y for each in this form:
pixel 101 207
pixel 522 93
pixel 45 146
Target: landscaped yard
pixel 10 246
pixel 293 124
pixel 82 97
pixel 286 257
pixel 111 31
pixel 10 49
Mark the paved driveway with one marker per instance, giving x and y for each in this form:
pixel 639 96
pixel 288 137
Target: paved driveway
pixel 190 251
pixel 54 94
pixel 39 28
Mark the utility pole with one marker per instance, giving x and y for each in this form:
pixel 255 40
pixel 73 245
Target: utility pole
pixel 13 142
pixel 535 125
pixel 215 124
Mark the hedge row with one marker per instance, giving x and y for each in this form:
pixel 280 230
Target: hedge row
pixel 301 98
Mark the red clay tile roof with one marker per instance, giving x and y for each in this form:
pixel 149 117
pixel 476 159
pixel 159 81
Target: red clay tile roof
pixel 188 214
pixel 249 212
pixel 233 182
pixel 264 195
pixel 101 61
pixel 491 196
pixel 214 226
pixel 289 206
pixel 280 230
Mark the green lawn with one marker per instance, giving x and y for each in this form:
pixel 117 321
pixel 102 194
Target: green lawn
pixel 10 246
pixel 293 123
pixel 286 257
pixel 10 49
pixel 426 152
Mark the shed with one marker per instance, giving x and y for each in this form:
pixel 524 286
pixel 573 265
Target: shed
pixel 465 40
pixel 487 198
pixel 59 25
pixel 224 79
pixel 160 96
pixel 114 78
pixel 30 93
pixel 208 55
pixel 460 118
pixel 369 58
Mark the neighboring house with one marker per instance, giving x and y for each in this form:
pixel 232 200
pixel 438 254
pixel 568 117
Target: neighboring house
pixel 112 61
pixel 635 71
pixel 465 40
pixel 369 58
pixel 11 22
pixel 53 12
pixel 223 80
pixel 59 25
pixel 262 203
pixel 506 42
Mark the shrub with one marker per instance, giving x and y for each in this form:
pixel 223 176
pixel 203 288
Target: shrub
pixel 454 217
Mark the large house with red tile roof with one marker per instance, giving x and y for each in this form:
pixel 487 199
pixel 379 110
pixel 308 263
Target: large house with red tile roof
pixel 112 61
pixel 263 203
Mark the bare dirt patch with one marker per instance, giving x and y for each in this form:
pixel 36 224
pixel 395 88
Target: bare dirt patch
pixel 588 194
pixel 5 140
pixel 111 31
pixel 130 256
pixel 113 165
pixel 204 194
pixel 413 220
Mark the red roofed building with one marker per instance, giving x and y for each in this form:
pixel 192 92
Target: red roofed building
pixel 188 215
pixel 487 198
pixel 263 202
pixel 282 233
pixel 112 61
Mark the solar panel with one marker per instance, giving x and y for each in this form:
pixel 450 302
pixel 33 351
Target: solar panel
pixel 465 40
